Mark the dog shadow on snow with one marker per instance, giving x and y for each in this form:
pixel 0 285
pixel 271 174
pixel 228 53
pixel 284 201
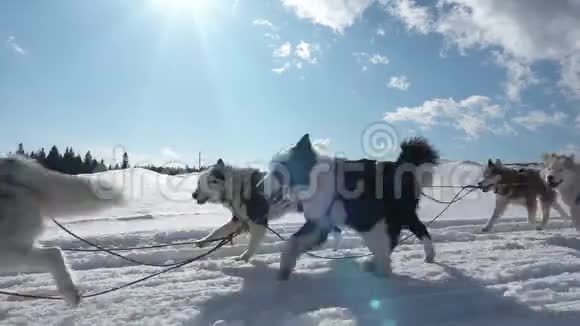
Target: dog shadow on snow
pixel 395 301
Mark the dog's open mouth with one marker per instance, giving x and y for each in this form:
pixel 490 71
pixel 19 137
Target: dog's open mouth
pixel 554 183
pixel 202 201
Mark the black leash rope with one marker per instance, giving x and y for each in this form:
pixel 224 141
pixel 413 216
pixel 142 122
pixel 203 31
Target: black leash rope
pixel 112 252
pixel 120 287
pixel 222 241
pixel 163 245
pixel 458 197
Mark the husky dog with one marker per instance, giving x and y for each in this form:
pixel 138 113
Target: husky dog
pixel 241 191
pixel 563 174
pixel 523 186
pixel 377 199
pixel 28 194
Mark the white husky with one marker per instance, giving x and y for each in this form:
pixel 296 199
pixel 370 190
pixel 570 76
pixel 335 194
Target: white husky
pixel 28 194
pixel 241 191
pixel 563 174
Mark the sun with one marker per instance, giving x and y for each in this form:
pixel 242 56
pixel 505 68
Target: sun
pixel 180 6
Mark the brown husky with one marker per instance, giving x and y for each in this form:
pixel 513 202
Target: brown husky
pixel 521 186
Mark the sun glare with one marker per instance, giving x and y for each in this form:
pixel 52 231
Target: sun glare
pixel 180 6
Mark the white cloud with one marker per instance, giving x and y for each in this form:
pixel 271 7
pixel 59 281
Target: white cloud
pixel 525 32
pixel 336 14
pixel 322 145
pixel 169 153
pixel 305 51
pixel 535 119
pixel 282 69
pixel 474 116
pixel 364 59
pixel 272 34
pixel 13 46
pixel 283 51
pixel 399 82
pixel 381 31
pixel 519 75
pixel 415 17
pixel 263 22
pixel 378 59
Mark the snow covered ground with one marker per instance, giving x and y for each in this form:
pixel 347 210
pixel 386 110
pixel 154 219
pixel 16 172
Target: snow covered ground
pixel 513 276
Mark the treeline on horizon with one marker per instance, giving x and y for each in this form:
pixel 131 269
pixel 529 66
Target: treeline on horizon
pixel 72 163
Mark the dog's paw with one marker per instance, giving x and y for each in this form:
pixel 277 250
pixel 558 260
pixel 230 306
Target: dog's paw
pixel 380 270
pixel 430 259
pixel 485 229
pixel 384 271
pixel 368 266
pixel 244 257
pixel 539 227
pixel 284 274
pixel 71 295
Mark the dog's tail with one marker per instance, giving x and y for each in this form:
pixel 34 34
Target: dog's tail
pixel 420 157
pixel 56 194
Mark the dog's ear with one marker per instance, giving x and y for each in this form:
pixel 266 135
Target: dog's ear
pixel 220 163
pixel 498 163
pixel 489 163
pixel 304 142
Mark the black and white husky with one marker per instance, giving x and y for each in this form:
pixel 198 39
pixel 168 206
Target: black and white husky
pixel 377 199
pixel 28 194
pixel 241 191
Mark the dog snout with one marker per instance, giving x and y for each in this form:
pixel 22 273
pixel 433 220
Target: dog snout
pixel 194 195
pixel 551 179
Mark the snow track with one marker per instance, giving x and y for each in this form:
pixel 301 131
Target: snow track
pixel 516 275
pixel 512 276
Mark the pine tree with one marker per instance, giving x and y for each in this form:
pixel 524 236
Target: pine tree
pixel 41 157
pixel 125 161
pixel 20 150
pixel 94 166
pixel 101 167
pixel 87 166
pixel 53 160
pixel 68 161
pixel 77 165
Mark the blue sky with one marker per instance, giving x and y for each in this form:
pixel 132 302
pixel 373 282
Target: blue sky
pixel 164 79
